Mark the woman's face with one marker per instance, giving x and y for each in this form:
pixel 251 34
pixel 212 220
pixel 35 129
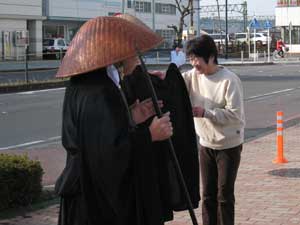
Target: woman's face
pixel 200 65
pixel 130 64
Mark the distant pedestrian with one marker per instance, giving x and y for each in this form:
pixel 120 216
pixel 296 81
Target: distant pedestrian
pixel 279 47
pixel 178 57
pixel 217 98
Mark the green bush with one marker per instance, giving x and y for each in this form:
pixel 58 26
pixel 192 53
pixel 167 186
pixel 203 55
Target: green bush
pixel 20 180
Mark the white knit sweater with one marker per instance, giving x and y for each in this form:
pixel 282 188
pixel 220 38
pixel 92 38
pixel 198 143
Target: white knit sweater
pixel 221 95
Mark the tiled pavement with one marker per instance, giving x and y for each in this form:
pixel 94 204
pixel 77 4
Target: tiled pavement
pixel 266 193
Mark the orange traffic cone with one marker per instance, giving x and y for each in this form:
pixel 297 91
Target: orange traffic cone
pixel 280 157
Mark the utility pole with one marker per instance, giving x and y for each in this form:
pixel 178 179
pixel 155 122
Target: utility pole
pixel 153 15
pixel 245 15
pixel 198 19
pixel 123 6
pixel 226 29
pixel 192 30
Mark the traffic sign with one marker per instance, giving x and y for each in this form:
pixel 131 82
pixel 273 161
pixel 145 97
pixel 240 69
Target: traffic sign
pixel 268 25
pixel 254 23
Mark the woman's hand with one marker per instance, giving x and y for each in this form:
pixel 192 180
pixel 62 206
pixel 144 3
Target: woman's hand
pixel 141 111
pixel 198 111
pixel 160 74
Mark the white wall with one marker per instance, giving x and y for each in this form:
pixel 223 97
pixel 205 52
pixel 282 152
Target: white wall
pixel 294 48
pixel 11 25
pixel 92 8
pixel 21 7
pixel 78 8
pixel 285 15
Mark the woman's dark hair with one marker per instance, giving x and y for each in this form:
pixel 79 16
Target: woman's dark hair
pixel 204 47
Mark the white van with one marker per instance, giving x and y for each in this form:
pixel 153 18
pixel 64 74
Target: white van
pixel 261 38
pixel 220 38
pixel 241 37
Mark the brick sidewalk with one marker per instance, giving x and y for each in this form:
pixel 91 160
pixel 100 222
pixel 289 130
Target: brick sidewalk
pixel 266 193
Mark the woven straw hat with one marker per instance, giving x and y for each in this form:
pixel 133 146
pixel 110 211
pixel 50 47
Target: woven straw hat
pixel 104 41
pixel 132 19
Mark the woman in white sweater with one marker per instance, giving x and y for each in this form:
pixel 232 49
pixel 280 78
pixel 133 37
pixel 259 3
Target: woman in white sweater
pixel 217 98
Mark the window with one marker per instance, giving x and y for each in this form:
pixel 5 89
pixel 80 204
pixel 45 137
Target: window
pixel 130 4
pixel 60 43
pixel 48 42
pixel 144 7
pixel 54 31
pixel 169 37
pixel 295 35
pixel 165 9
pixel 140 6
pixel 240 36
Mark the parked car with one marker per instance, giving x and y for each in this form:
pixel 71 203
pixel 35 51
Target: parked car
pixel 220 38
pixel 53 47
pixel 261 38
pixel 241 37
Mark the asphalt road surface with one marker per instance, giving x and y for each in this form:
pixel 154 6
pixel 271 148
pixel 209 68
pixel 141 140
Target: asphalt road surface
pixel 34 118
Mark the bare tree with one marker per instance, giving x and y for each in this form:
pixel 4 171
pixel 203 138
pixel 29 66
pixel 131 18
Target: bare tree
pixel 184 10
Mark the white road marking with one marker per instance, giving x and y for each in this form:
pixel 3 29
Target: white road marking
pixel 54 138
pixel 30 143
pixel 33 92
pixel 39 91
pixel 21 145
pixel 269 94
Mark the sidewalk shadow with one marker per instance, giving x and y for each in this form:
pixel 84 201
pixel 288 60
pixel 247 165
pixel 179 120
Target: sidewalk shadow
pixel 288 172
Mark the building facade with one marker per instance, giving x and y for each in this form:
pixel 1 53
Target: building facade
pixel 64 18
pixel 27 22
pixel 288 19
pixel 16 18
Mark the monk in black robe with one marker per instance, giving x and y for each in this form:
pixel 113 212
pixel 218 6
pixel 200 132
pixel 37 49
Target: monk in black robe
pixel 105 144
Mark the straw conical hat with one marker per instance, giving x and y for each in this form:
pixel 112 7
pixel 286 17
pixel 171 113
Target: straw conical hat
pixel 132 19
pixel 104 41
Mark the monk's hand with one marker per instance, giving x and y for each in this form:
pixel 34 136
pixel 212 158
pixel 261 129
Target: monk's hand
pixel 141 111
pixel 160 74
pixel 161 129
pixel 198 111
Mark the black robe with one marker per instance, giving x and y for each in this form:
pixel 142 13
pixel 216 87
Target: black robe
pixel 173 92
pixel 111 176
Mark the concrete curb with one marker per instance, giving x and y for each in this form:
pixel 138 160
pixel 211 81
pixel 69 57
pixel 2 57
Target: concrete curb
pixel 31 87
pixel 30 69
pixel 237 63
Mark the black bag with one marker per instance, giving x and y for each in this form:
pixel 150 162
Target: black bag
pixel 68 183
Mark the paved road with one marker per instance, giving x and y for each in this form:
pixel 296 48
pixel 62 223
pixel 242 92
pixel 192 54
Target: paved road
pixel 35 117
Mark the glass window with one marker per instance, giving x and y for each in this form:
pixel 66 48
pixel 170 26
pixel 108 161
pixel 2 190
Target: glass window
pixel 60 43
pixel 48 42
pixel 54 31
pixel 144 7
pixel 295 35
pixel 169 36
pixel 242 36
pixel 165 9
pixel 130 4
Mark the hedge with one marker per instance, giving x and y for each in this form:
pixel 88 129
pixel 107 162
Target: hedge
pixel 20 180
